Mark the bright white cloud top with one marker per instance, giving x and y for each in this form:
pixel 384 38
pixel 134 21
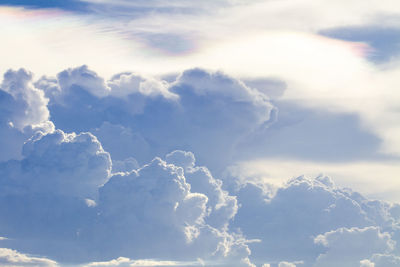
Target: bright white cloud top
pixel 145 133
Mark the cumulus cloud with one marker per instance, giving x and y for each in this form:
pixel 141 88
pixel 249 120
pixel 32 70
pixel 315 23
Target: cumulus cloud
pixel 204 112
pixel 287 219
pixel 66 164
pixel 23 111
pixel 43 195
pixel 68 198
pixel 158 201
pixel 60 200
pixel 347 247
pixel 366 263
pixel 32 104
pixel 286 264
pixel 221 207
pixel 9 257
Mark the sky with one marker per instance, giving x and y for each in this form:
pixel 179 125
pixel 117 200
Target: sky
pixel 200 133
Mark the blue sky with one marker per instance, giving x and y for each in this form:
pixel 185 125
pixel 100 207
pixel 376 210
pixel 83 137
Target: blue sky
pixel 188 133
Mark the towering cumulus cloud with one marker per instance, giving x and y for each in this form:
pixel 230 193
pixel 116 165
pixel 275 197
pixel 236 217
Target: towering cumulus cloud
pixel 61 200
pixel 155 212
pixel 23 110
pixel 203 112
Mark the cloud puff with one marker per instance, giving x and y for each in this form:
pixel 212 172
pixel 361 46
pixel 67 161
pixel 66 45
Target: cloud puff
pixel 286 264
pixel 43 195
pixel 348 246
pixel 9 257
pixel 23 111
pixel 31 103
pixel 156 212
pixel 287 219
pixel 221 207
pixel 65 164
pixel 204 112
pixel 61 201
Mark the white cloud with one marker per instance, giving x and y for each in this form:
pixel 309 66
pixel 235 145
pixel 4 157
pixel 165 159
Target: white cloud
pixel 61 194
pixel 321 73
pixel 44 196
pixel 201 111
pixel 286 264
pixel 347 247
pixel 66 164
pixel 121 261
pixel 366 263
pixel 154 211
pixel 299 211
pixel 23 112
pixel 360 176
pixel 12 258
pixel 221 207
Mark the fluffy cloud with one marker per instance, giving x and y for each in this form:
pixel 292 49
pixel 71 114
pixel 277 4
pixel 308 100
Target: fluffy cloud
pixel 30 107
pixel 221 207
pixel 23 111
pixel 9 257
pixel 156 212
pixel 60 200
pixel 286 264
pixel 63 164
pixel 204 112
pixel 366 263
pixel 66 197
pixel 347 247
pixel 43 196
pixel 287 219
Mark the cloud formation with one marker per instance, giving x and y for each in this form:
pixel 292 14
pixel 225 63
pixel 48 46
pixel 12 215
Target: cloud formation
pixel 304 211
pixel 61 200
pixel 23 111
pixel 347 247
pixel 204 112
pixel 112 188
pixel 45 196
pixel 9 257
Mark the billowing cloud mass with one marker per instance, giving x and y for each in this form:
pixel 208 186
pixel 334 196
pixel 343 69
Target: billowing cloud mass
pixel 347 247
pixel 204 112
pixel 297 222
pixel 128 172
pixel 157 201
pixel 45 196
pixel 61 200
pixel 200 133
